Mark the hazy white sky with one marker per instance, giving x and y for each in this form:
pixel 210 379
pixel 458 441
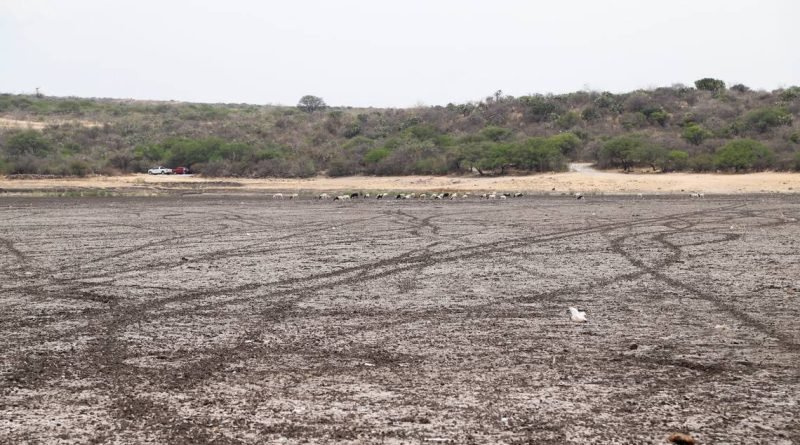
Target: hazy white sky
pixel 388 53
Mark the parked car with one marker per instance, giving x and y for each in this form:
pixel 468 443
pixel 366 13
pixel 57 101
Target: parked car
pixel 160 171
pixel 180 170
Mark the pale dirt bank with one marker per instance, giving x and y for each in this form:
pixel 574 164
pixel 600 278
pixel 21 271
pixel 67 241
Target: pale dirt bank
pixel 584 181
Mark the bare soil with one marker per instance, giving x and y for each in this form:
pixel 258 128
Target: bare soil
pixel 41 125
pixel 239 319
pixel 581 179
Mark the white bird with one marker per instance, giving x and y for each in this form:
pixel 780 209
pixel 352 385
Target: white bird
pixel 577 316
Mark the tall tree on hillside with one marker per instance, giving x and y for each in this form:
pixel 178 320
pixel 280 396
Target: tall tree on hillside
pixel 709 84
pixel 310 104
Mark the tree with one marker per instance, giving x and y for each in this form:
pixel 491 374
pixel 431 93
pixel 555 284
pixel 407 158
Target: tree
pixel 709 84
pixel 650 154
pixel 620 151
pixel 743 154
pixel 740 88
pixel 498 156
pixel 310 104
pixel 695 134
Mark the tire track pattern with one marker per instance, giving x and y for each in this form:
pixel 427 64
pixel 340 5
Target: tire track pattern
pixel 119 335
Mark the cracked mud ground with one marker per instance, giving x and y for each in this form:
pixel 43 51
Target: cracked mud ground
pixel 246 320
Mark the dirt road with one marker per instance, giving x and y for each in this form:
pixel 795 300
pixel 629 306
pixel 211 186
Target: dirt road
pixel 232 319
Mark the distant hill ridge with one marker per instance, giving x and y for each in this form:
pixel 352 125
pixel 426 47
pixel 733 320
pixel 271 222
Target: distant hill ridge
pixel 707 127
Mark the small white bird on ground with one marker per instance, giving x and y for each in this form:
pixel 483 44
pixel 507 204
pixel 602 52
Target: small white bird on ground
pixel 577 316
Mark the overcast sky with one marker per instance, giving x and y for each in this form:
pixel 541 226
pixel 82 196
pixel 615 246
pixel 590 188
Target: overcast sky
pixel 388 53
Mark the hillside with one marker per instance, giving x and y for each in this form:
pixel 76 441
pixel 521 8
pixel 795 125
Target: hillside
pixel 708 127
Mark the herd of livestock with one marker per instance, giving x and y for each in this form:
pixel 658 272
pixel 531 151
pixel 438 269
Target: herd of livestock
pixel 445 195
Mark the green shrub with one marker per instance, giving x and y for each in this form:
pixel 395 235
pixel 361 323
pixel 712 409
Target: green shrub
pixel 423 132
pixel 78 168
pixel 538 108
pixel 609 102
pixel 676 160
pixel 790 94
pixel 695 134
pixel 538 154
pixel 351 131
pixel 590 114
pixel 496 134
pixel 702 162
pixel 566 143
pixel 568 120
pixel 743 154
pixel 28 142
pixel 632 121
pixel 659 117
pixel 764 119
pixel 376 155
pixel 342 167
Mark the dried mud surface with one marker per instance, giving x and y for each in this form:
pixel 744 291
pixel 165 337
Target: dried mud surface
pixel 232 319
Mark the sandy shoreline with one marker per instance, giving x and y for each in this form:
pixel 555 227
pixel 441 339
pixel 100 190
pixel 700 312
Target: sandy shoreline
pixel 586 182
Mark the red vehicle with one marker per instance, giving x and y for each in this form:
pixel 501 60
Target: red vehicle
pixel 180 171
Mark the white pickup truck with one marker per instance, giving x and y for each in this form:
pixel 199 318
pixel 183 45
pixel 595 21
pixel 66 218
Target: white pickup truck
pixel 160 171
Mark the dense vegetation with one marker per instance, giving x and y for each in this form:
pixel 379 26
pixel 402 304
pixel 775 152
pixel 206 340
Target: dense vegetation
pixel 708 127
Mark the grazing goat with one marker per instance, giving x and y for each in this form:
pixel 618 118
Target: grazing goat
pixel 342 197
pixel 324 196
pixel 277 196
